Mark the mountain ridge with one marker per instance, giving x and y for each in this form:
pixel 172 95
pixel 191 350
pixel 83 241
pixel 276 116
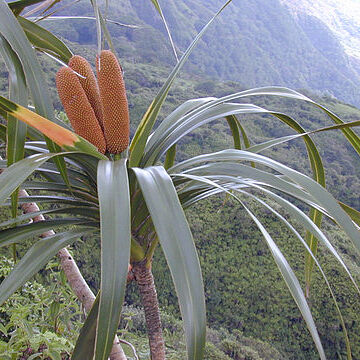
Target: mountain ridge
pixel 253 42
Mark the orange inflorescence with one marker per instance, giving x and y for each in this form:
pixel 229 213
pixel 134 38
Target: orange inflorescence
pixel 89 84
pixel 78 108
pixel 97 110
pixel 114 102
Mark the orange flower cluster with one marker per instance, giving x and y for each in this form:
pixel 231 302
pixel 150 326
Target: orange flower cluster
pixel 97 109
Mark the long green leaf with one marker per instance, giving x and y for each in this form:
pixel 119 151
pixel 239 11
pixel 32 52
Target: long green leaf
pixel 45 40
pixel 35 258
pixel 143 131
pixel 114 200
pixel 13 176
pixel 298 215
pixel 14 34
pixel 3 130
pixel 353 213
pixel 176 130
pixel 17 84
pixel 53 199
pixel 18 6
pixel 16 130
pixel 165 137
pixel 172 119
pixel 22 232
pixel 351 136
pixel 77 192
pixel 277 141
pixel 50 18
pixel 177 243
pixel 234 127
pixel 229 184
pixel 92 213
pixel 317 192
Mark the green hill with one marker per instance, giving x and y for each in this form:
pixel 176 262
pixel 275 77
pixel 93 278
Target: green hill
pixel 254 42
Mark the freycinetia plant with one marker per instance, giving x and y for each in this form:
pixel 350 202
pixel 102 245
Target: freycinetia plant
pixel 133 193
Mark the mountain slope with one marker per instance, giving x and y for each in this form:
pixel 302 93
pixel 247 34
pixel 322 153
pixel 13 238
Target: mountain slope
pixel 341 17
pixel 254 42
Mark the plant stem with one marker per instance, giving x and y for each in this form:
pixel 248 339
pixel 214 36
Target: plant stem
pixel 145 282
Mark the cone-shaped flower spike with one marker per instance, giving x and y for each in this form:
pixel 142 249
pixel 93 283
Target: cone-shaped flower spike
pixel 114 102
pixel 78 108
pixel 89 84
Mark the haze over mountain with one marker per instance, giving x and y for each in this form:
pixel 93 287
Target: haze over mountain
pixel 298 43
pixel 341 17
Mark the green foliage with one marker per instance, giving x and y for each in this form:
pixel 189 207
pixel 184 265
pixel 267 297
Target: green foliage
pixel 42 318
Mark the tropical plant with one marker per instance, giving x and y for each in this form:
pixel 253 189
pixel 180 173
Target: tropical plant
pixel 136 198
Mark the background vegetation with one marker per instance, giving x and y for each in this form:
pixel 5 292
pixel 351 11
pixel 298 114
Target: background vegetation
pixel 254 42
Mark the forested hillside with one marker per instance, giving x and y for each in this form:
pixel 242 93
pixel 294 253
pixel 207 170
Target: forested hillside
pixel 254 42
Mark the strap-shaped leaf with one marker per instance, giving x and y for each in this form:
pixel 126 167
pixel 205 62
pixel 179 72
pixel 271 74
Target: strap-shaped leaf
pixel 214 182
pixel 16 130
pixel 234 126
pixel 45 40
pixel 287 272
pixel 322 197
pixel 177 243
pixel 78 192
pixel 169 122
pixel 351 136
pixel 208 111
pixel 18 93
pixel 11 30
pixel 23 232
pixel 19 5
pixel 54 200
pixel 17 173
pixel 14 34
pixel 91 213
pixel 114 200
pixel 3 130
pixel 35 258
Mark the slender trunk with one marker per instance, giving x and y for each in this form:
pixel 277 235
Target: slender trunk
pixel 73 275
pixel 145 282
